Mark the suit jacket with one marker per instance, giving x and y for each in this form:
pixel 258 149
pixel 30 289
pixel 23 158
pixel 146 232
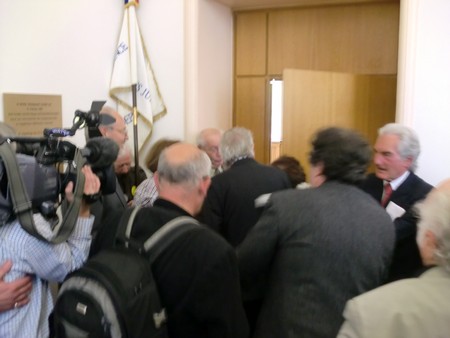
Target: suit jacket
pixel 406 261
pixel 229 207
pixel 197 276
pixel 319 247
pixel 102 210
pixel 413 308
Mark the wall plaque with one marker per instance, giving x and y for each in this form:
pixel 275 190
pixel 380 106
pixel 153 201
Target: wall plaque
pixel 30 114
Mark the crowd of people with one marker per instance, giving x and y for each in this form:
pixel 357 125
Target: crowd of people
pixel 281 253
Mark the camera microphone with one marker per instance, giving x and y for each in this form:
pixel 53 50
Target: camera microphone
pixel 100 152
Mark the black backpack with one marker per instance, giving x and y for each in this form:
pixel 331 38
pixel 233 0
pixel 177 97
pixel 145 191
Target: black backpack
pixel 114 293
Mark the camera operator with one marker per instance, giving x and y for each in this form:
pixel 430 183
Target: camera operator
pixel 43 262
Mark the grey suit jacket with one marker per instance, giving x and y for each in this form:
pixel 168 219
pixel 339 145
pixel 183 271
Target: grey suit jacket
pixel 412 308
pixel 319 248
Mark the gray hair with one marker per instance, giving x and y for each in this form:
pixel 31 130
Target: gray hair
pixel 434 214
pixel 187 173
pixel 201 137
pixel 408 146
pixel 236 143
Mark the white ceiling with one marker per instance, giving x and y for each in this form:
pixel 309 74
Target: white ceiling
pixel 257 4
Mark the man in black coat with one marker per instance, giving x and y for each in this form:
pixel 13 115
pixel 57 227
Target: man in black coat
pixel 197 276
pixel 396 151
pixel 230 207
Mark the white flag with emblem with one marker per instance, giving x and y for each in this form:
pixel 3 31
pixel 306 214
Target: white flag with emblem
pixel 132 66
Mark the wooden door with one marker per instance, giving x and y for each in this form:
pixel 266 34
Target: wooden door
pixel 317 99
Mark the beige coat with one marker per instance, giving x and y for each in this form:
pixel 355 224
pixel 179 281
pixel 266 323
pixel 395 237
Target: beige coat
pixel 409 308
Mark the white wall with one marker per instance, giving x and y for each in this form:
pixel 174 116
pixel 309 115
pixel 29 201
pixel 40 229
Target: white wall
pixel 67 48
pixel 424 82
pixel 209 72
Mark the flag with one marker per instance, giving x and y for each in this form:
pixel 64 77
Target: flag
pixel 132 67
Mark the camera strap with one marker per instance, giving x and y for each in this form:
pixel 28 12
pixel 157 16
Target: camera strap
pixel 21 202
pixel 22 205
pixel 71 215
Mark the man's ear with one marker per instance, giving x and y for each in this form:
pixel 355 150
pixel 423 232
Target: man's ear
pixel 430 239
pixel 156 180
pixel 204 185
pixel 408 162
pixel 102 130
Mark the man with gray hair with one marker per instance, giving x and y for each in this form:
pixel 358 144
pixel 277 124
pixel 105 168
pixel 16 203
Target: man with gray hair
pixel 208 140
pixel 395 185
pixel 230 207
pixel 197 275
pixel 415 307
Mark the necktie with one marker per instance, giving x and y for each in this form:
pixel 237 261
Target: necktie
pixel 387 194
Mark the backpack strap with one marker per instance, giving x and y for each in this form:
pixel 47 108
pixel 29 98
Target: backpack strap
pixel 161 239
pixel 126 223
pixel 167 234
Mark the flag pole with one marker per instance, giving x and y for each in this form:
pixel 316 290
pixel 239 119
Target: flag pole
pixel 135 132
pixel 133 71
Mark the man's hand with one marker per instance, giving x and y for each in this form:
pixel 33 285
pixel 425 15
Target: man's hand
pixel 91 187
pixel 13 294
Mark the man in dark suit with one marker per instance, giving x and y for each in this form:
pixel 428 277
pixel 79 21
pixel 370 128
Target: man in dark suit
pixel 230 207
pixel 396 151
pixel 101 209
pixel 319 246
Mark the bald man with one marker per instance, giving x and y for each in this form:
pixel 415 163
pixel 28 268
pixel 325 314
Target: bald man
pixel 117 130
pixel 101 209
pixel 197 276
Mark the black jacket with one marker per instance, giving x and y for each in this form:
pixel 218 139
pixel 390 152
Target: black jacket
pixel 197 276
pixel 406 261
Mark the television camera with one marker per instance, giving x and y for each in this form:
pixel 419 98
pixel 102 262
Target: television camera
pixel 48 163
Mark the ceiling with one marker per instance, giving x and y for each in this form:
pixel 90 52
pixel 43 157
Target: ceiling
pixel 258 4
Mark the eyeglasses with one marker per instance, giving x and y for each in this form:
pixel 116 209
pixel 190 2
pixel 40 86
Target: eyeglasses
pixel 123 131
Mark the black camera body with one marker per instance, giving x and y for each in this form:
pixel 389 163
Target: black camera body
pixel 46 165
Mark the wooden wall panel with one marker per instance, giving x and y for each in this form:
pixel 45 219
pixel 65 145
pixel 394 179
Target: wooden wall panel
pixel 251 43
pixel 250 112
pixel 314 100
pixel 353 38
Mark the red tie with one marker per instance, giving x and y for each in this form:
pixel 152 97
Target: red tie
pixel 387 194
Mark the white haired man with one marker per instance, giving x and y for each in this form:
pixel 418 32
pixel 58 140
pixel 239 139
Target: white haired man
pixel 414 307
pixel 396 151
pixel 208 140
pixel 230 207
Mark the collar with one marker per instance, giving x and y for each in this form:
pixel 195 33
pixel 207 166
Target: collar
pixel 399 180
pixel 171 206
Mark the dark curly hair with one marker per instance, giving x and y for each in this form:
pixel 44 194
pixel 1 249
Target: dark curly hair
pixel 344 154
pixel 292 167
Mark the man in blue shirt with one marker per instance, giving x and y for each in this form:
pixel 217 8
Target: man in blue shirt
pixel 43 262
